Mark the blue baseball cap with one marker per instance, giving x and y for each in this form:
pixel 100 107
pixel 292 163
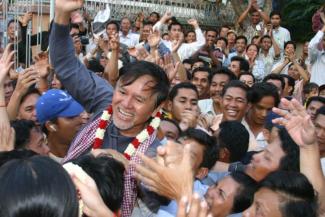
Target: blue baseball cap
pixel 56 103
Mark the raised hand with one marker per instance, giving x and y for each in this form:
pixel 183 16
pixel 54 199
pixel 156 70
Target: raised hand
pixel 194 23
pixel 189 119
pixel 177 43
pixel 42 65
pixel 6 62
pixel 68 6
pixel 26 79
pixel 114 42
pixel 198 208
pixel 172 182
pixel 170 67
pixel 167 16
pixel 297 122
pixel 26 18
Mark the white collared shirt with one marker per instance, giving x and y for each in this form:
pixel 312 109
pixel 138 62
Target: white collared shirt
pixel 130 40
pixel 317 59
pixel 281 35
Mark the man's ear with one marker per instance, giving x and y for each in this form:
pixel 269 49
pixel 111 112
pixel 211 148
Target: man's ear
pixel 202 173
pixel 169 105
pixel 50 126
pixel 224 155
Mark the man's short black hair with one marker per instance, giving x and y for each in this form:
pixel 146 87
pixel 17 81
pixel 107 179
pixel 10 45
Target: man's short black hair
pixel 156 13
pixel 203 69
pixel 222 39
pixel 236 84
pixel 183 85
pixel 224 71
pixel 211 150
pixel 290 162
pixel 310 87
pixel 275 77
pixel 295 192
pixel 212 30
pixel 247 73
pixel 174 23
pixel 275 13
pixel 290 42
pixel 316 99
pixel 243 64
pixel 23 130
pixel 266 36
pixel 132 71
pixel 291 82
pixel 31 90
pixel 242 37
pixel 245 193
pixel 114 23
pixel 260 90
pixel 108 175
pixel 233 136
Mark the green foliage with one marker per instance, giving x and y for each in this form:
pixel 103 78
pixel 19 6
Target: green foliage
pixel 297 17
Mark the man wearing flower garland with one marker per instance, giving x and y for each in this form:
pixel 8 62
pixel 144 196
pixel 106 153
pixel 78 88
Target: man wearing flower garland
pixel 124 120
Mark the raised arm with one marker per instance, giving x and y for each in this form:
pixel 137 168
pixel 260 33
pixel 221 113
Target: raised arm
pixel 111 69
pixel 313 44
pixel 244 14
pixel 93 92
pixel 302 131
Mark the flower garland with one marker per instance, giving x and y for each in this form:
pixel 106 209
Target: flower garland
pixel 133 146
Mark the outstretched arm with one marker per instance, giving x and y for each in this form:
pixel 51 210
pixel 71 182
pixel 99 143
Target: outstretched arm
pixel 302 131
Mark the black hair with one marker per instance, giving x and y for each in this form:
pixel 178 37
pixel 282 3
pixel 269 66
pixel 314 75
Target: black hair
pixel 260 90
pixel 133 71
pixel 275 77
pixel 257 47
pixel 290 42
pixel 74 26
pixel 114 23
pixel 188 61
pixel 212 30
pixel 108 175
pixel 290 162
pixel 183 85
pixel 247 73
pixel 245 193
pixel 266 36
pixel 236 84
pixel 203 69
pixel 315 98
pixel 224 71
pixel 233 136
pixel 225 26
pixel 10 22
pixel 320 111
pixel 157 14
pixel 189 31
pixel 42 188
pixel 291 81
pixel 241 37
pixel 173 122
pixel 222 39
pixel 23 130
pixel 31 90
pixel 243 64
pixel 275 13
pixel 310 87
pixel 95 66
pixel 7 156
pixel 211 150
pixel 295 192
pixel 174 23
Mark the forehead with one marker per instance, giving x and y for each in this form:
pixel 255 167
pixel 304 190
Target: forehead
pixel 144 83
pixel 187 93
pixel 201 74
pixel 235 92
pixel 211 33
pixel 176 27
pixel 220 78
pixel 228 184
pixel 268 201
pixel 316 104
pixel 246 77
pixel 111 25
pixel 267 101
pixel 168 126
pixel 30 99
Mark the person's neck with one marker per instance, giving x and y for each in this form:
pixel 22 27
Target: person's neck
pixel 276 27
pixel 255 128
pixel 265 52
pixel 57 148
pixel 240 53
pixel 133 132
pixel 125 33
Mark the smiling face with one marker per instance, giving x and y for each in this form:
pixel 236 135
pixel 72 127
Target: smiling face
pixel 268 160
pixel 201 81
pixel 220 197
pixel 217 84
pixel 133 105
pixel 234 104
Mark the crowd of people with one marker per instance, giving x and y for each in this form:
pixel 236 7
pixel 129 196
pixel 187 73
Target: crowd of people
pixel 157 118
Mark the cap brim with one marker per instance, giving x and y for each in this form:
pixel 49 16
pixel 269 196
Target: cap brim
pixel 74 109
